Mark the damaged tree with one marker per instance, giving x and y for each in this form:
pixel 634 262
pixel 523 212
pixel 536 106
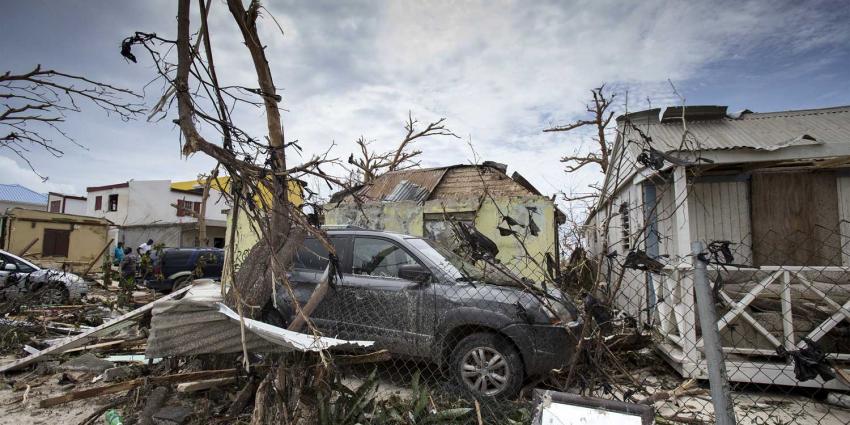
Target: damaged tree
pixel 259 181
pixel 38 101
pixel 372 164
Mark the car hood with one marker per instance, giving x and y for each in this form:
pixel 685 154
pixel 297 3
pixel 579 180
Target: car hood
pixel 50 275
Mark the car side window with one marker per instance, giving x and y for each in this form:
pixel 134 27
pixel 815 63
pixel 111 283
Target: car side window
pixel 378 257
pixel 312 255
pixel 22 267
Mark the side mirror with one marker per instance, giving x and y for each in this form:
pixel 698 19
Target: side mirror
pixel 10 267
pixel 414 272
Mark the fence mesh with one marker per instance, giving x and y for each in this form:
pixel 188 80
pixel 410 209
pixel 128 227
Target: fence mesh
pixel 624 328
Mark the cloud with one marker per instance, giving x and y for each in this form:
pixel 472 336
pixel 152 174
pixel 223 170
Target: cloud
pixel 499 71
pixel 12 173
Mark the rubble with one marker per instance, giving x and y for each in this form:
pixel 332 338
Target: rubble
pixel 87 363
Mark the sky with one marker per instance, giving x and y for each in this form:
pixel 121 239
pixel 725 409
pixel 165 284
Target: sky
pixel 499 72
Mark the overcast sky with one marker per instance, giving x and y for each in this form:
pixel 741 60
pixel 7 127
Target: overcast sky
pixel 500 72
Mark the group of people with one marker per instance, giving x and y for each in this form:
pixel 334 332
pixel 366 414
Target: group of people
pixel 127 261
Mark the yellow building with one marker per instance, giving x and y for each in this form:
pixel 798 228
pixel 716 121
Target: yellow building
pixel 53 239
pixel 507 209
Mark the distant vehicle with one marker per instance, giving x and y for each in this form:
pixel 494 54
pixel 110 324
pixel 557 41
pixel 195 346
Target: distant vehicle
pixel 179 266
pixel 20 278
pixel 419 300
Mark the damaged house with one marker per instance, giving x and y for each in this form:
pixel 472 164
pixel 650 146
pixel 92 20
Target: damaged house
pixel 769 194
pixel 425 202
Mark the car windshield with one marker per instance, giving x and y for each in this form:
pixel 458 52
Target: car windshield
pixel 457 267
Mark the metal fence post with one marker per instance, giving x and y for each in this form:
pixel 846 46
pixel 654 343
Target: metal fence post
pixel 721 395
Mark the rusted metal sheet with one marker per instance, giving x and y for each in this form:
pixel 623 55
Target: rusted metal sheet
pixel 427 178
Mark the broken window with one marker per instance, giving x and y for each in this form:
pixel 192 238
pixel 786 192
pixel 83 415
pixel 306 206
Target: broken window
pixel 625 227
pixel 438 226
pixel 98 203
pixel 113 202
pixel 378 257
pixel 55 243
pixel 55 206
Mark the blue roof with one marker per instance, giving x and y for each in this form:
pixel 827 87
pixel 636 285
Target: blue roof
pixel 18 193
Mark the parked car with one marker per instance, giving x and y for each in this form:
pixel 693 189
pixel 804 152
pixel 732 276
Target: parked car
pixel 20 278
pixel 177 267
pixel 419 300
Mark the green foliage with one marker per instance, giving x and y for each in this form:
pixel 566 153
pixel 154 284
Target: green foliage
pixel 106 267
pixel 346 406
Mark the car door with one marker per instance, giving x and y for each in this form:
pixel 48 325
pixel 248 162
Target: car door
pixel 377 304
pixel 308 267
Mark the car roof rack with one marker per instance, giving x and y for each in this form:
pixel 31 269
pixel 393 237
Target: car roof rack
pixel 342 227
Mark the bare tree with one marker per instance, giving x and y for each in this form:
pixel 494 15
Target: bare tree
pixel 600 118
pixel 372 164
pixel 36 103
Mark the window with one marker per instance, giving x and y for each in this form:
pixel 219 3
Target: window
pixel 55 206
pixel 98 203
pixel 185 208
pixel 625 228
pixel 312 255
pixel 22 266
pixel 113 202
pixel 55 243
pixel 378 257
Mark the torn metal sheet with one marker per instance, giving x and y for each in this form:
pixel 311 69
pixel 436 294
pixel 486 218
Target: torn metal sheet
pixel 552 407
pixel 200 324
pixel 286 338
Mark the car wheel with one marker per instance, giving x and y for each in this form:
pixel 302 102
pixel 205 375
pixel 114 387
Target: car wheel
pixel 181 282
pixel 53 294
pixel 487 365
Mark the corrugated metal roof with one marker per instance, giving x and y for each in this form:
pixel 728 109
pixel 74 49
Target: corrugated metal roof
pixel 760 131
pixel 18 193
pixel 407 191
pixel 381 187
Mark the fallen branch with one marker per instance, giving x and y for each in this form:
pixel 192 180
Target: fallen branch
pixel 377 356
pixel 686 388
pixel 190 387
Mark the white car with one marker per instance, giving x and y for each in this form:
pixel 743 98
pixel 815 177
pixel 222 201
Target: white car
pixel 19 278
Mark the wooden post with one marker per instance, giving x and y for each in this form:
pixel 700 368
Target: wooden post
pixel 29 245
pixel 88 269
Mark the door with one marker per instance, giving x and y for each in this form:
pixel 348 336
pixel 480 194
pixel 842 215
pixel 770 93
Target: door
pixel 378 305
pixel 308 267
pixel 795 219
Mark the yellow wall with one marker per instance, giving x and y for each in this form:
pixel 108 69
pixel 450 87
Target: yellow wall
pixel 87 239
pixel 407 217
pixel 246 236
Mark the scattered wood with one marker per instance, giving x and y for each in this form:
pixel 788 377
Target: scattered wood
pixel 128 385
pixel 190 387
pixel 101 410
pixel 96 346
pixel 478 412
pixel 377 356
pixel 89 335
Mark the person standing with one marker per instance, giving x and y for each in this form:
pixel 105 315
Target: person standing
pixel 118 254
pixel 146 247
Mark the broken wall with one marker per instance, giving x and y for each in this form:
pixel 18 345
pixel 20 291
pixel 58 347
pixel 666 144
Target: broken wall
pixel 410 218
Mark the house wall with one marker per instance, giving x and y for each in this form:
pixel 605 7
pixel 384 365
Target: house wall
pixel 408 217
pixel 4 205
pixel 86 240
pixel 119 217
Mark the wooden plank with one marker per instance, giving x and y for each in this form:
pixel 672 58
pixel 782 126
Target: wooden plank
pixel 787 312
pixel 682 215
pixel 128 385
pixel 83 338
pixel 738 307
pixel 795 219
pixel 190 387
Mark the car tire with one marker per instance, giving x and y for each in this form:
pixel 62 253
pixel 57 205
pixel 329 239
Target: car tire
pixel 181 282
pixel 53 293
pixel 487 365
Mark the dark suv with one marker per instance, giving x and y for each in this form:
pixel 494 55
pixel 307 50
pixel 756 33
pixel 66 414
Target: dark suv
pixel 179 266
pixel 419 300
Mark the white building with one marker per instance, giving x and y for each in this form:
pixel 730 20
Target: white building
pixel 66 204
pixel 777 187
pixel 143 210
